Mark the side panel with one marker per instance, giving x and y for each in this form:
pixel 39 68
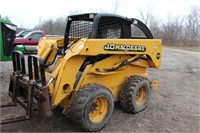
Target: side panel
pixel 112 80
pixel 150 47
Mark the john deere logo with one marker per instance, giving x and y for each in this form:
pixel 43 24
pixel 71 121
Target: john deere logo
pixel 124 47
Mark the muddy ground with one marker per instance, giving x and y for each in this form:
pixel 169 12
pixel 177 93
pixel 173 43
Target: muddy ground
pixel 174 107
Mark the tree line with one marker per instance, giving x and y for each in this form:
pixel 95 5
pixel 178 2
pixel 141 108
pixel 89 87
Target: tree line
pixel 176 31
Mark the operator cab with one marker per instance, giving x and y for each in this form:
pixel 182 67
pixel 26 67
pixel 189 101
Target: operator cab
pixel 104 26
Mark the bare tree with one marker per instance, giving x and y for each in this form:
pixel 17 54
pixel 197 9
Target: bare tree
pixel 152 22
pixel 172 31
pixel 75 11
pixel 192 28
pixel 50 26
pixel 116 6
pixel 99 10
pixel 146 15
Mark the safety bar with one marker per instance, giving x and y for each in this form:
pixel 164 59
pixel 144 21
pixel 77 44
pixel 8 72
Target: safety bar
pixel 36 67
pixel 18 62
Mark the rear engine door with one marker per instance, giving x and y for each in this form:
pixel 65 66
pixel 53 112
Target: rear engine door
pixel 8 37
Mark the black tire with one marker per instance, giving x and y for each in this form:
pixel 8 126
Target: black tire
pixel 135 95
pixel 92 107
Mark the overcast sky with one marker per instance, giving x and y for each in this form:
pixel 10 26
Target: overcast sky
pixel 28 13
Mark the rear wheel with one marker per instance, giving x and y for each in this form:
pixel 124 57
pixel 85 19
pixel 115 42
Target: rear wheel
pixel 92 107
pixel 135 95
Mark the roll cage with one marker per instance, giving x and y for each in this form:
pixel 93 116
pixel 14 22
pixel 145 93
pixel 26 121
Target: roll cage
pixel 102 26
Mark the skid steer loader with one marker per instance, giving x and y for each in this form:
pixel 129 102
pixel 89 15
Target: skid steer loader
pixel 99 61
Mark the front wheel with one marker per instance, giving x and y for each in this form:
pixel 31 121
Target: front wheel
pixel 92 107
pixel 135 95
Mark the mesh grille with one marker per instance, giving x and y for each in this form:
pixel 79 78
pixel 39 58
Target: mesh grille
pixel 80 29
pixel 109 28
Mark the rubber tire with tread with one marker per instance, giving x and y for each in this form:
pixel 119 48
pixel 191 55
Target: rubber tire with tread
pixel 82 101
pixel 128 94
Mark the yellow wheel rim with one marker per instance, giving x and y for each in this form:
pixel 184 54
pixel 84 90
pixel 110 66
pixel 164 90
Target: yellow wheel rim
pixel 140 96
pixel 98 109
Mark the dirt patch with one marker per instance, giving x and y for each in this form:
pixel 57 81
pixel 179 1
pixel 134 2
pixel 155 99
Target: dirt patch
pixel 174 107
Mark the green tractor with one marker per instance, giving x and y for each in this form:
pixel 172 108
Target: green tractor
pixel 7 36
